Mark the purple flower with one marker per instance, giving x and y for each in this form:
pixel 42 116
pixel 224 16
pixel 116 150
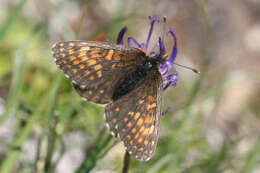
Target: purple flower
pixel 170 76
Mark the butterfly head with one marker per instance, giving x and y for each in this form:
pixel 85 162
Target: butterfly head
pixel 166 63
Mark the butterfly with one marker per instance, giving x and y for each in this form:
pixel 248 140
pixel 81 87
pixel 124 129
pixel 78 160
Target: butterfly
pixel 125 79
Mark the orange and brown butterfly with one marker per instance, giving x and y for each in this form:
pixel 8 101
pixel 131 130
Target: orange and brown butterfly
pixel 128 79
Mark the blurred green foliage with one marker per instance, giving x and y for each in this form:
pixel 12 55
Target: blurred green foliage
pixel 44 107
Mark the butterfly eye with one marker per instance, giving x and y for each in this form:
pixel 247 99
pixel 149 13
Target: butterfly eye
pixel 148 65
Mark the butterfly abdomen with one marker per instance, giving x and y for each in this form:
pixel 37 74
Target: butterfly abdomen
pixel 131 81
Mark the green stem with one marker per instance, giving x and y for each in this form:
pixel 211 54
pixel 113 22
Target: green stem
pixel 126 162
pixel 51 146
pixel 11 19
pixel 96 151
pixel 13 153
pixel 83 15
pixel 19 75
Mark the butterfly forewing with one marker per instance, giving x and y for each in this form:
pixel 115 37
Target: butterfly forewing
pixel 135 117
pixel 94 67
pixel 99 70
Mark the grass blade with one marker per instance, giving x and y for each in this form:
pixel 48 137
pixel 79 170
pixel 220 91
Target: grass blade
pixel 49 99
pixel 18 76
pixel 96 151
pixel 11 19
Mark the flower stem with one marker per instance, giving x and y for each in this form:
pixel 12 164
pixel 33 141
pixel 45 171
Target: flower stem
pixel 96 151
pixel 126 162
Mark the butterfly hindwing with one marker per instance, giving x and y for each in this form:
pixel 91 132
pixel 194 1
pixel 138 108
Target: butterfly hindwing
pixel 135 117
pixel 94 67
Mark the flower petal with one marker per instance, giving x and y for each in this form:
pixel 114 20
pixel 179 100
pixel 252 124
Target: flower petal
pixel 170 80
pixel 166 111
pixel 133 40
pixel 120 37
pixel 153 53
pixel 155 46
pixel 164 69
pixel 175 49
pixel 153 20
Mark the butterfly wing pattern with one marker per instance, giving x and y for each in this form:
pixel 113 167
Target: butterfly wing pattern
pixel 135 117
pixel 95 67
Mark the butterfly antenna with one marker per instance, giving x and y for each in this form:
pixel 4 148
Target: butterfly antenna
pixel 164 27
pixel 192 69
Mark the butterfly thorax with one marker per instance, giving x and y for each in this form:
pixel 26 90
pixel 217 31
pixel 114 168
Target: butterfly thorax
pixel 148 66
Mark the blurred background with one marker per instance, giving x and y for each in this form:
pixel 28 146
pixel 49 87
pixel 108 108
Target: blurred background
pixel 214 121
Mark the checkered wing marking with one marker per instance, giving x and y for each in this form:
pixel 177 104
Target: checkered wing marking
pixel 94 67
pixel 135 117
